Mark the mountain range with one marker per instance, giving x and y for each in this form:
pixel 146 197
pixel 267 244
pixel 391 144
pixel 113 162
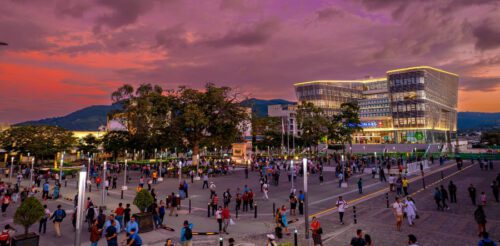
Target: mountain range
pixel 90 118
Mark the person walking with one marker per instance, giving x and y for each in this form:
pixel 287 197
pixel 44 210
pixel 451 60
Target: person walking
pixel 119 211
pixel 341 179
pixel 214 203
pixel 226 196
pixel 58 217
pixel 126 214
pixel 341 206
pixel 111 234
pixel 226 217
pixel 358 240
pixel 437 198
pixel 132 224
pixel 404 184
pixel 265 189
pixel 480 218
pixel 301 202
pixel 95 233
pixel 360 186
pixel 472 194
pixel 284 221
pixel 187 234
pixel 483 198
pixel 43 221
pixel 444 197
pixel 410 210
pixel 316 232
pixel 397 208
pixel 452 189
pixel 494 189
pixel 218 217
pixel 205 181
pixel 173 205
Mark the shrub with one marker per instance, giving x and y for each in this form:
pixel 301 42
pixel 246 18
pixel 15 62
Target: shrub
pixel 28 213
pixel 143 199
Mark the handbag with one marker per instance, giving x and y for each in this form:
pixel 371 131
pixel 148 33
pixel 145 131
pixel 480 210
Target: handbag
pixel 320 231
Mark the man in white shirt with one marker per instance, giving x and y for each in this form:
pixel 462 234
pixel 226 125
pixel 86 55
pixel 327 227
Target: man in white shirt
pixel 397 208
pixel 341 206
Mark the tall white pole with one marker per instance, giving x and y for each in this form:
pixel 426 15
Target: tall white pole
pixel 11 167
pixel 306 202
pixel 79 208
pixel 103 183
pixel 61 168
pixel 180 171
pixel 125 174
pixel 292 170
pixel 88 165
pixel 32 170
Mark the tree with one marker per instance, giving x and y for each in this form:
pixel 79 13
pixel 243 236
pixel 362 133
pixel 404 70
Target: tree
pixel 88 144
pixel 146 113
pixel 116 142
pixel 213 115
pixel 143 199
pixel 269 128
pixel 313 123
pixel 40 141
pixel 491 137
pixel 345 124
pixel 29 213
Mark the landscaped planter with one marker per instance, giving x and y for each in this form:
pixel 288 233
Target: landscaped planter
pixel 31 239
pixel 145 221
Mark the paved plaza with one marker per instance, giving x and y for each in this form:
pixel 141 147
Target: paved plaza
pixel 451 227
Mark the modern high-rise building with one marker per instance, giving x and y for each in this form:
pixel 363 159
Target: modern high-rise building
pixel 409 105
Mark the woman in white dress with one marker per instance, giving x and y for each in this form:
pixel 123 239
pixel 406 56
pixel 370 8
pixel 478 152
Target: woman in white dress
pixel 411 210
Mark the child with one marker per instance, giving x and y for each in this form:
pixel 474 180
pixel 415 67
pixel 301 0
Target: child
pixel 483 198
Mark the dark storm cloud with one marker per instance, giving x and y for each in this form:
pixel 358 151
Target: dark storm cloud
pixel 172 37
pixel 487 34
pixel 122 12
pixel 328 13
pixel 256 34
pixel 480 84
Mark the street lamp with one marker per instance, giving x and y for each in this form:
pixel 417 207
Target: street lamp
pixel 11 167
pixel 32 170
pixel 79 208
pixel 306 205
pixel 125 173
pixel 103 182
pixel 292 170
pixel 61 168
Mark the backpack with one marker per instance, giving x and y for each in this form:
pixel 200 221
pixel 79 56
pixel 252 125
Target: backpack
pixel 490 243
pixel 4 237
pixel 60 214
pixel 188 234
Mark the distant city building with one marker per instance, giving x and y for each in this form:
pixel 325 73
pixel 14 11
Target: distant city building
pixel 409 105
pixel 287 113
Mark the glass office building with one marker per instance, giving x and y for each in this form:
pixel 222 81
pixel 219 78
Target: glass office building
pixel 409 105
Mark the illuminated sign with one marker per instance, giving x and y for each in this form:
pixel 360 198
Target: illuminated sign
pixel 371 124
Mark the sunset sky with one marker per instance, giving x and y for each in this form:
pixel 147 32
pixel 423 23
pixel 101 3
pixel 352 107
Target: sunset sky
pixel 66 54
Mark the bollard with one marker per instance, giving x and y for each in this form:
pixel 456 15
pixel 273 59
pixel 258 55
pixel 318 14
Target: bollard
pixel 442 176
pixel 65 183
pixel 295 239
pixel 221 241
pixel 208 210
pixel 121 197
pixel 189 205
pixel 387 199
pixel 237 213
pixel 90 188
pixel 274 209
pixel 255 210
pixel 354 213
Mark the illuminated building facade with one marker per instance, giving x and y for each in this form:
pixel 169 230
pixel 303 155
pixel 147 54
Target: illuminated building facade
pixel 409 105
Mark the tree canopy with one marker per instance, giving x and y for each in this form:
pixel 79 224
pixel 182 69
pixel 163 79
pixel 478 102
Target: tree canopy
pixel 38 140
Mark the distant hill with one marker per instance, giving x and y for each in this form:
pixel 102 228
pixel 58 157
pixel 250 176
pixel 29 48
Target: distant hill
pixel 259 107
pixel 90 118
pixel 478 120
pixel 86 119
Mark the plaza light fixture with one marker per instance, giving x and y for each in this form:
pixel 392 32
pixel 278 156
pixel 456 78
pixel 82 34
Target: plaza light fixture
pixel 306 204
pixel 79 209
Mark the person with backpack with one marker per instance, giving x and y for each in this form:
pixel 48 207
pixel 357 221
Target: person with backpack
pixel 316 232
pixel 6 235
pixel 58 217
pixel 133 239
pixel 6 199
pixel 486 241
pixel 187 234
pixel 358 240
pixel 43 220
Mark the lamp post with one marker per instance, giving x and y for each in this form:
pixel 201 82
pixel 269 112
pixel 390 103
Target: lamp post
pixel 160 178
pixel 103 183
pixel 88 165
pixel 61 168
pixel 79 209
pixel 306 204
pixel 11 167
pixel 197 167
pixel 125 173
pixel 292 170
pixel 180 171
pixel 32 170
